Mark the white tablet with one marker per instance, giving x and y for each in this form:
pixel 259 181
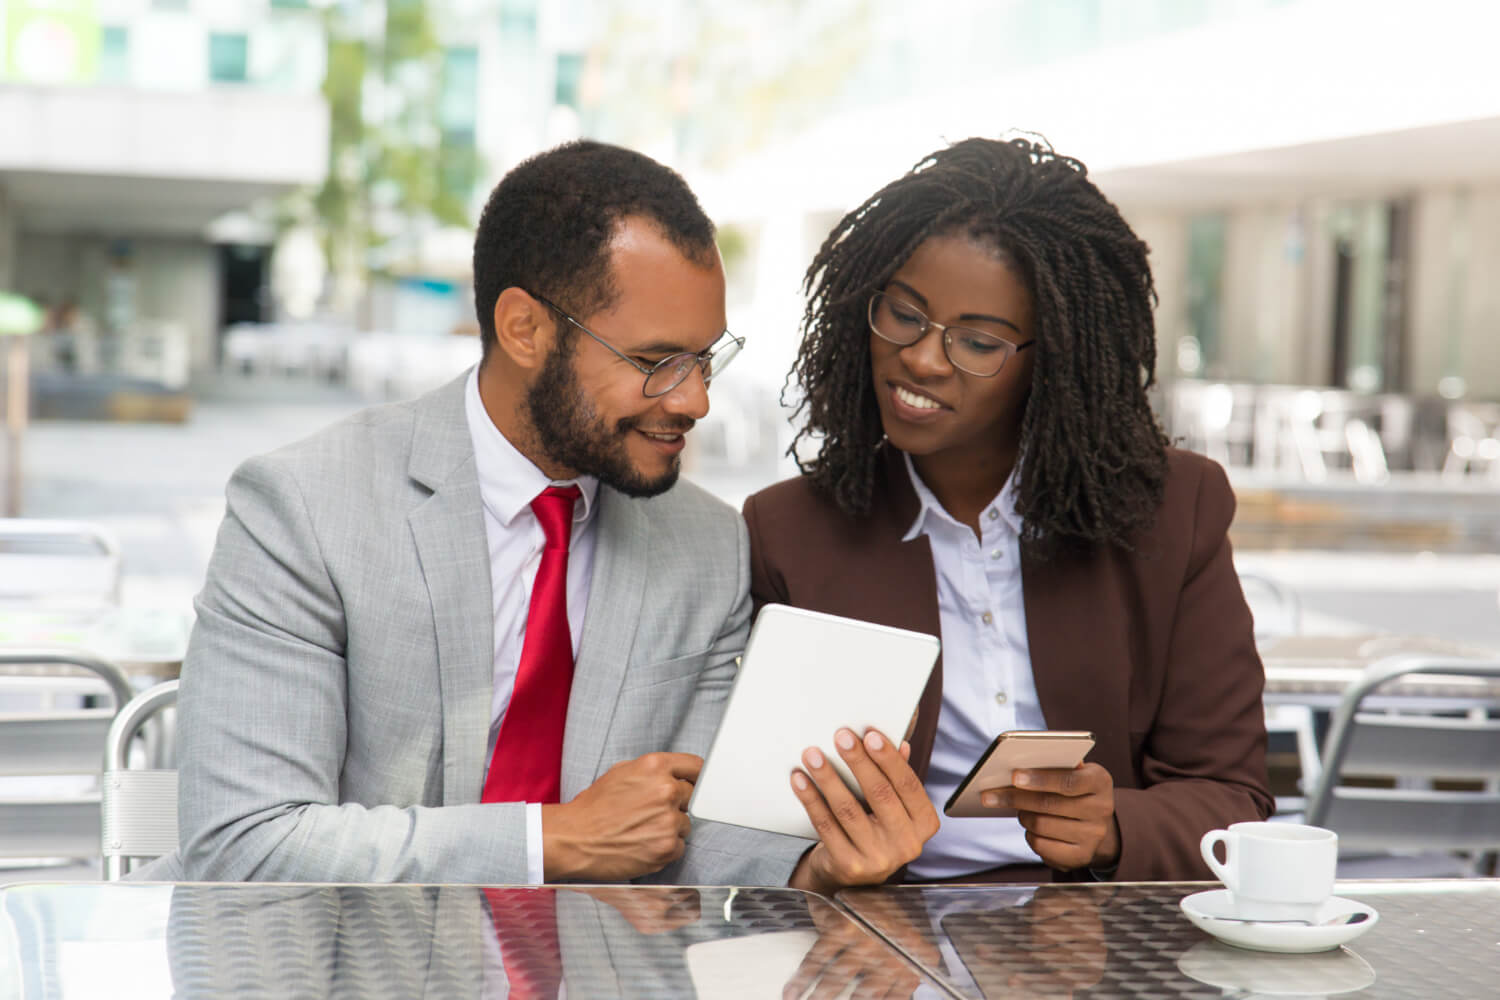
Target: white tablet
pixel 803 676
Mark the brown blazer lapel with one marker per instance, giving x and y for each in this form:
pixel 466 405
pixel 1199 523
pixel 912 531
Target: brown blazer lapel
pixel 1079 632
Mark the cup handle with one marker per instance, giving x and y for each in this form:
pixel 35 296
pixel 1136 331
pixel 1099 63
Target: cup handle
pixel 1223 869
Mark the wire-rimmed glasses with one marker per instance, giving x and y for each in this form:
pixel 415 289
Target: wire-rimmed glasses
pixel 668 373
pixel 969 349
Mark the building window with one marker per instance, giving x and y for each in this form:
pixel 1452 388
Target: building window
pixel 518 20
pixel 114 55
pixel 228 58
pixel 569 70
pixel 459 97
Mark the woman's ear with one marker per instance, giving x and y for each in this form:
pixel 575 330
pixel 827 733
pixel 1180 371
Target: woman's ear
pixel 524 328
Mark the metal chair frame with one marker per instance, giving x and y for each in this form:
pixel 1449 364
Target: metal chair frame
pixel 53 743
pixel 1412 751
pixel 138 815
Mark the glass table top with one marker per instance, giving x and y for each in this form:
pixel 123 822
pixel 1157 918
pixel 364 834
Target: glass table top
pixel 1433 939
pixel 137 940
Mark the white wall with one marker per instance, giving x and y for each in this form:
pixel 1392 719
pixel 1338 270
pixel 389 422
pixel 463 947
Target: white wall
pixel 175 280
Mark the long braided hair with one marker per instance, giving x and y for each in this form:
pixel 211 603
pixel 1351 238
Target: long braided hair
pixel 1092 464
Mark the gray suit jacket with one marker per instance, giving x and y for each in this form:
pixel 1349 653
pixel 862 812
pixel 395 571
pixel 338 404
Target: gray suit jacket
pixel 335 699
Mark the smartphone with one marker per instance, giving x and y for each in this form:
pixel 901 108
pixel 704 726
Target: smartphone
pixel 1014 749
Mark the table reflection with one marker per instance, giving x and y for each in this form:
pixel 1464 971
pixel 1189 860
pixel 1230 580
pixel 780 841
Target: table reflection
pixel 1435 938
pixel 213 940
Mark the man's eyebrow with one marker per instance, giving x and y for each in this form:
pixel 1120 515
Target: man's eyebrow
pixel 661 347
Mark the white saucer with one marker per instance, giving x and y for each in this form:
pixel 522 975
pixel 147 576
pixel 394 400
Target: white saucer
pixel 1207 909
pixel 1322 975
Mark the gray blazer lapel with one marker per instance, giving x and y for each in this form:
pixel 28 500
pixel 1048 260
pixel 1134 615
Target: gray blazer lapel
pixel 448 528
pixel 616 594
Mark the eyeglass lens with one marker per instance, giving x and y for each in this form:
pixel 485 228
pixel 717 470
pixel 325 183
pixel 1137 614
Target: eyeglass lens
pixel 669 375
pixel 974 351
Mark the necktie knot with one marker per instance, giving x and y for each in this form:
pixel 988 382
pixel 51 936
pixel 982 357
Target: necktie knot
pixel 553 508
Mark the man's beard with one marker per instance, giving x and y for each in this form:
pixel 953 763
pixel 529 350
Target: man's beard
pixel 572 435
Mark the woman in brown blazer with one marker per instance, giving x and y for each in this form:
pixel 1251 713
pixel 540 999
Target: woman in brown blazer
pixel 978 348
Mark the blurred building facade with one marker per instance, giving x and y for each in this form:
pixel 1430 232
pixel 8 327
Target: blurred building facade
pixel 132 129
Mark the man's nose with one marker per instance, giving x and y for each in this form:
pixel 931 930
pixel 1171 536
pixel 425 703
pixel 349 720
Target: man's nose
pixel 688 397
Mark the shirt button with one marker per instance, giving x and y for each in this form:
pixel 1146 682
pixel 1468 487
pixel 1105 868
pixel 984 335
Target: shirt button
pixel 1000 698
pixel 988 618
pixel 997 554
pixel 994 513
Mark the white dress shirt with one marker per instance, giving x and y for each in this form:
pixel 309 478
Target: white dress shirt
pixel 988 686
pixel 508 482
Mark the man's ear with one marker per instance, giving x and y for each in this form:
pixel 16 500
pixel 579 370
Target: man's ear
pixel 524 328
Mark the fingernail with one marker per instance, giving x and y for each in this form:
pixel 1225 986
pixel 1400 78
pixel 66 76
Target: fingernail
pixel 1023 779
pixel 990 799
pixel 813 757
pixel 845 739
pixel 873 740
pixel 799 781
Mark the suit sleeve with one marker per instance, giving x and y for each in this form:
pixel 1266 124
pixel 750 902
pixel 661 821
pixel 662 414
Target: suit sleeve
pixel 1204 761
pixel 717 853
pixel 264 709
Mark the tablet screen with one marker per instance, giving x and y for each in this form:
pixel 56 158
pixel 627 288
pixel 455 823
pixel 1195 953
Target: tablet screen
pixel 803 676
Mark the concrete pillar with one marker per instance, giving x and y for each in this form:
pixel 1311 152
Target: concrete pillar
pixel 7 242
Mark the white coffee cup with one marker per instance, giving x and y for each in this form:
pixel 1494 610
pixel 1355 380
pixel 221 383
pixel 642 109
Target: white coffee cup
pixel 1274 871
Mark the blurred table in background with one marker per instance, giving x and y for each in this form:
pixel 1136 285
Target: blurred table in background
pixel 1434 939
pixel 1314 671
pixel 148 643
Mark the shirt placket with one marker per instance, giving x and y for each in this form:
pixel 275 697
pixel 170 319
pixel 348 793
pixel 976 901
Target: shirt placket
pixel 999 656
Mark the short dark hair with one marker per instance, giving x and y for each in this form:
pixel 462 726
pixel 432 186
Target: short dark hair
pixel 547 226
pixel 1092 466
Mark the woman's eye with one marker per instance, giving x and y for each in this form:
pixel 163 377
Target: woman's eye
pixel 980 345
pixel 910 318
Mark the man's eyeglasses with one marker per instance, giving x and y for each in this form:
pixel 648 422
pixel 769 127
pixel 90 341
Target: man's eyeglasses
pixel 668 373
pixel 977 352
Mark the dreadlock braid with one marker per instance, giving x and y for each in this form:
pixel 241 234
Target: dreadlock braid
pixel 1092 462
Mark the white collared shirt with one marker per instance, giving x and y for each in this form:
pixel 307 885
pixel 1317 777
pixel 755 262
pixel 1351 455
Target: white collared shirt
pixel 508 482
pixel 988 685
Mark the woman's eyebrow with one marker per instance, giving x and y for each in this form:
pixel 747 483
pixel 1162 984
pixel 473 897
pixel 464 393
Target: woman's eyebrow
pixel 922 301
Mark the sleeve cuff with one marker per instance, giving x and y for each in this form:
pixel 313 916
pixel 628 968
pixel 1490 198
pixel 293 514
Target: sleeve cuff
pixel 536 868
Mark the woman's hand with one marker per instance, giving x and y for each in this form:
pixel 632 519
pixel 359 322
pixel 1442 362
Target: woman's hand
pixel 858 846
pixel 1069 814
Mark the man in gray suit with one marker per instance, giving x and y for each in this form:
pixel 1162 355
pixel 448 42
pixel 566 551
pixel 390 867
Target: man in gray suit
pixel 370 679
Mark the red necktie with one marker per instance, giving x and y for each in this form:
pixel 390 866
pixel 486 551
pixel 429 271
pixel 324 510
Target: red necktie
pixel 527 763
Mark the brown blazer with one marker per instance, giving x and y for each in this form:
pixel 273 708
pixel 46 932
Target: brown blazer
pixel 1151 650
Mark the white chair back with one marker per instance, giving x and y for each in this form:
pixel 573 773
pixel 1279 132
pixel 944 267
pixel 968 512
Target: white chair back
pixel 44 819
pixel 1446 768
pixel 46 563
pixel 138 818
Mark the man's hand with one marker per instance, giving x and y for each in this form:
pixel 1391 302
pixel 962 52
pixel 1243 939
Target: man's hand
pixel 845 956
pixel 1069 814
pixel 630 822
pixel 855 846
pixel 650 909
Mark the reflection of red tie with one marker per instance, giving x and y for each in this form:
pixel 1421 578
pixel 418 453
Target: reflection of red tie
pixel 526 925
pixel 527 763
